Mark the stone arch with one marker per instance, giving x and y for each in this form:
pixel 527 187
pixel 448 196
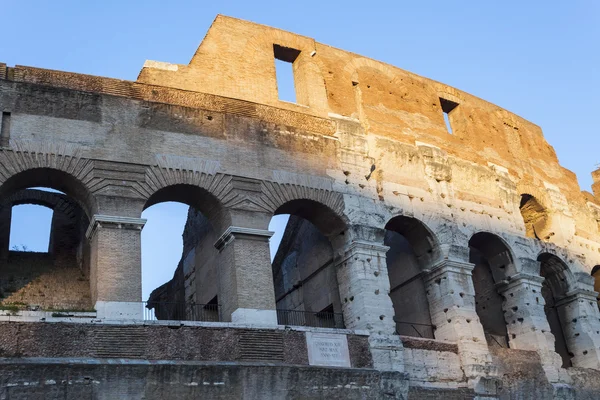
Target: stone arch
pixel 207 218
pixel 494 263
pixel 304 273
pixel 207 191
pixel 58 278
pixel 60 167
pixel 307 202
pixel 558 281
pixel 413 251
pixel 534 207
pixel 55 201
pixel 535 217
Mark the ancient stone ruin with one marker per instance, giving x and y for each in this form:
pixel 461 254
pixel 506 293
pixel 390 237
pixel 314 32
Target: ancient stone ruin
pixel 435 247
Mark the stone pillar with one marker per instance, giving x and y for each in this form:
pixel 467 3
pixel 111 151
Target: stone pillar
pixel 364 288
pixel 580 320
pixel 451 296
pixel 246 290
pixel 5 221
pixel 116 266
pixel 526 321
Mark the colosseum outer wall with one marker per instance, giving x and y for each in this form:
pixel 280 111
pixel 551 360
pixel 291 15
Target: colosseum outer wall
pixel 364 149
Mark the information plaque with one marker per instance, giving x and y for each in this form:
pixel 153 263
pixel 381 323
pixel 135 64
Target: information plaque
pixel 327 349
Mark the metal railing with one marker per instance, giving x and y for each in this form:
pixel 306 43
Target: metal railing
pixel 415 329
pixel 308 318
pixel 171 311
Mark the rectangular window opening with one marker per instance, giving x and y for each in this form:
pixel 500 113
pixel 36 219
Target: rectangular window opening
pixel 284 70
pixel 447 107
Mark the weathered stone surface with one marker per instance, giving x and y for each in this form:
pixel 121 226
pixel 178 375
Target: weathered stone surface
pixel 405 210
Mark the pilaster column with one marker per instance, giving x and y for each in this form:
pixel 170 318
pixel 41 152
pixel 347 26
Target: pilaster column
pixel 364 288
pixel 116 267
pixel 451 296
pixel 579 317
pixel 246 291
pixel 526 320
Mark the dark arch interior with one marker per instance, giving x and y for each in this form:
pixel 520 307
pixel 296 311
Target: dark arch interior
pixel 304 274
pixel 555 287
pixel 492 259
pixel 596 275
pixel 535 217
pixel 58 278
pixel 413 249
pixel 321 216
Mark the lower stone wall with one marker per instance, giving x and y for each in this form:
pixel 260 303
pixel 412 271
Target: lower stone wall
pixel 156 342
pixel 522 377
pixel 97 379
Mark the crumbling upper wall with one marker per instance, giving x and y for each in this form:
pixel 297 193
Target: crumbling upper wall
pixel 236 59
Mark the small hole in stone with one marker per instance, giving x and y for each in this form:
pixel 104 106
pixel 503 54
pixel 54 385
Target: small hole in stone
pixel 209 117
pixel 377 291
pixel 351 298
pixel 574 320
pixel 445 310
pixel 449 320
pixel 468 321
pixel 461 294
pixel 515 308
pixel 584 352
pixel 381 317
pixel 520 320
pixel 376 273
pixel 514 336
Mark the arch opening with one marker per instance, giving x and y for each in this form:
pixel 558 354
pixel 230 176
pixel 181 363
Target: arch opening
pixel 304 274
pixel 535 217
pixel 179 260
pixel 45 254
pixel 412 250
pixel 493 264
pixel 596 275
pixel 555 287
pixel 30 227
pixel 51 180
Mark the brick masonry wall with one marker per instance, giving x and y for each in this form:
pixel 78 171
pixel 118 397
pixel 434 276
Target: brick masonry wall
pixel 41 280
pixel 66 340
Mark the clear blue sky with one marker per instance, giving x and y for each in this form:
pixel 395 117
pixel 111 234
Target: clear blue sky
pixel 539 59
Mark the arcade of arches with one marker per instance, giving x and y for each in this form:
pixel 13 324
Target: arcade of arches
pixel 410 287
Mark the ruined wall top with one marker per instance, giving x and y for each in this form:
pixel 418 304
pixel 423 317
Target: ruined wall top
pixel 236 59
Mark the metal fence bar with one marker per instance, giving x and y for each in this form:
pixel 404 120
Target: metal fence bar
pixel 172 311
pixel 425 331
pixel 308 318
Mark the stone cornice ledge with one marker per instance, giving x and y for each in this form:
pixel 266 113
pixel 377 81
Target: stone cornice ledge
pixel 99 220
pixel 230 233
pixel 364 247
